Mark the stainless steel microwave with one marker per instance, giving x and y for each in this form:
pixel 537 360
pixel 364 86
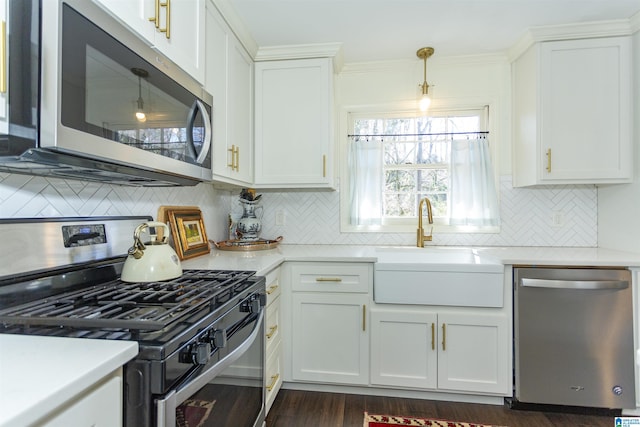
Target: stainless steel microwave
pixel 89 99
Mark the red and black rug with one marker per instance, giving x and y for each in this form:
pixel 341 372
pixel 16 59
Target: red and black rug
pixel 389 420
pixel 193 413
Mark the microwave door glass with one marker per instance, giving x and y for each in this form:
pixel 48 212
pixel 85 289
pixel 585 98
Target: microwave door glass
pixel 111 92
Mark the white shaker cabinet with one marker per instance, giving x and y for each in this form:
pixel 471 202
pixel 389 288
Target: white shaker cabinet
pixel 573 112
pixel 273 336
pixel 456 350
pixel 329 322
pixel 229 78
pixel 294 123
pixel 175 28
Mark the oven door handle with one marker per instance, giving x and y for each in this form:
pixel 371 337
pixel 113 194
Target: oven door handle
pixel 166 408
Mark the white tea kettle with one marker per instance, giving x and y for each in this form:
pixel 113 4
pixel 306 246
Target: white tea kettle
pixel 151 261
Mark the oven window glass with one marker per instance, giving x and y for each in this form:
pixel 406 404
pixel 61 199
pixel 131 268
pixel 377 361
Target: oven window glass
pixel 110 92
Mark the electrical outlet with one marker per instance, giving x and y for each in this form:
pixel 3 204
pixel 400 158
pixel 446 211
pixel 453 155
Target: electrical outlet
pixel 280 218
pixel 557 218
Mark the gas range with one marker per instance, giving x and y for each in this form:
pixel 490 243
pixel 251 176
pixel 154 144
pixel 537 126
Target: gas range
pixel 188 329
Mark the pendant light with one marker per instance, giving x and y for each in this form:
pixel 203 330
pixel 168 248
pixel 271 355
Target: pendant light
pixel 140 113
pixel 425 100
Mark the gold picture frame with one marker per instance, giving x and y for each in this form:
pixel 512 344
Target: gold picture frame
pixel 188 231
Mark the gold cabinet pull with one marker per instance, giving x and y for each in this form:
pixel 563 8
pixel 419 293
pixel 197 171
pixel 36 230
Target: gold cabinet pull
pixel 549 160
pixel 3 58
pixel 237 159
pixel 274 380
pixel 272 330
pixel 156 17
pixel 444 337
pixel 324 166
pixel 272 289
pixel 433 336
pixel 167 27
pixel 328 279
pixel 364 317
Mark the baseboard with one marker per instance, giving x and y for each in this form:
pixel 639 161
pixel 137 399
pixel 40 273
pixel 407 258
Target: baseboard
pixel 515 404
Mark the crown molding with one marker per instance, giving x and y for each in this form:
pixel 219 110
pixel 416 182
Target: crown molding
pixel 611 28
pixel 301 51
pixel 403 64
pixel 635 23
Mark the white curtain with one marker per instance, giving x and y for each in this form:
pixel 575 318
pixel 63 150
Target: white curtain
pixel 365 165
pixel 474 200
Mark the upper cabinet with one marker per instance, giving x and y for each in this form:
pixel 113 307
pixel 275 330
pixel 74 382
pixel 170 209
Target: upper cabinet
pixel 5 68
pixel 573 112
pixel 229 78
pixel 175 28
pixel 294 123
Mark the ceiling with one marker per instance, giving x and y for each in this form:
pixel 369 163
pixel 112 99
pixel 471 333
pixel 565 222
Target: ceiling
pixel 378 30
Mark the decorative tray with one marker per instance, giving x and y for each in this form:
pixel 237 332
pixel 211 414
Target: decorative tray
pixel 247 245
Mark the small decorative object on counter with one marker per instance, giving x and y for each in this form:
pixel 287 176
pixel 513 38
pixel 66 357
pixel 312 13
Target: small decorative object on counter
pixel 239 245
pixel 249 225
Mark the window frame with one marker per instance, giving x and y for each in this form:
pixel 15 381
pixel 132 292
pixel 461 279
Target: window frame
pixel 409 224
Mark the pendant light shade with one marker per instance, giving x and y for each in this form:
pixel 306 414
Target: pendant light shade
pixel 425 99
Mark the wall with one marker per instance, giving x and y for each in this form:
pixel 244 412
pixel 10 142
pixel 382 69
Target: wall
pixel 24 196
pixel 619 205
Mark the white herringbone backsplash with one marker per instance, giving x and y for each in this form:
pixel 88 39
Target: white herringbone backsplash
pixel 310 217
pixel 526 219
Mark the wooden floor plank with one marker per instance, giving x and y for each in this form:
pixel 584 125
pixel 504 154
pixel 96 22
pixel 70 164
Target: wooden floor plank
pixel 293 408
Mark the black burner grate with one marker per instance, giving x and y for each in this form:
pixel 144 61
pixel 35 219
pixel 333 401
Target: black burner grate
pixel 131 306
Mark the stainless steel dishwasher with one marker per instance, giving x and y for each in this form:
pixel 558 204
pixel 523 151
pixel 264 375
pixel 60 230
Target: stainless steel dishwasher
pixel 573 337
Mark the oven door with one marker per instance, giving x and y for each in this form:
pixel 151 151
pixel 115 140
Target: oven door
pixel 234 379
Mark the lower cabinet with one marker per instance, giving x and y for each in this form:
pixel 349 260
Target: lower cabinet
pixel 462 350
pixel 100 406
pixel 273 341
pixel 329 322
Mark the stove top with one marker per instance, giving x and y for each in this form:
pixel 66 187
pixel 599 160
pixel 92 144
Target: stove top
pixel 132 306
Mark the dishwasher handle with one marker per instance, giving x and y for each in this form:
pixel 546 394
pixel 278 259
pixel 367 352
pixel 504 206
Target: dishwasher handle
pixel 575 284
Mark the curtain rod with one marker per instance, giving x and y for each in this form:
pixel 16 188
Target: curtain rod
pixel 417 134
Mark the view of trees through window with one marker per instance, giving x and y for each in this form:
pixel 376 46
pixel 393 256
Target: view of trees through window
pixel 416 158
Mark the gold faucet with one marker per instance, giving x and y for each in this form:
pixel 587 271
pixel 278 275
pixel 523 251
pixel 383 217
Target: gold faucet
pixel 421 236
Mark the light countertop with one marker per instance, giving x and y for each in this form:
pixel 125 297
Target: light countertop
pixel 264 261
pixel 38 374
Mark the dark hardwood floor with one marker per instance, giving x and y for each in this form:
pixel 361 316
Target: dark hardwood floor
pixel 312 409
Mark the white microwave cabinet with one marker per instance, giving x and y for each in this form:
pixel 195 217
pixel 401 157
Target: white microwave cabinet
pixel 572 112
pixel 176 28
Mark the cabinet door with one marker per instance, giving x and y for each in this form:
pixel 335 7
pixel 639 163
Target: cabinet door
pixel 585 109
pixel 176 28
pixel 330 338
pixel 404 348
pixel 293 120
pixel 240 112
pixel 473 352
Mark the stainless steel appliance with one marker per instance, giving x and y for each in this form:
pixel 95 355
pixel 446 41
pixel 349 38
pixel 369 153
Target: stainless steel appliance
pixel 573 335
pixel 204 328
pixel 88 99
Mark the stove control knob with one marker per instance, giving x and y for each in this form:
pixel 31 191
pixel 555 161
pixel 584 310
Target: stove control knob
pixel 201 353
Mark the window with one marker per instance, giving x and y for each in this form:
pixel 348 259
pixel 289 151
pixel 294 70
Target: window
pixel 397 160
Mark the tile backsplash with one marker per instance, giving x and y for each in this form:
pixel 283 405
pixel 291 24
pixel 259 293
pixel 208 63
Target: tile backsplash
pixel 527 215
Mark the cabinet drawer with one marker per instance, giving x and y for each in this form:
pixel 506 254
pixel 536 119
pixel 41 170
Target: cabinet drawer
pixel 272 325
pixel 273 376
pixel 331 277
pixel 273 285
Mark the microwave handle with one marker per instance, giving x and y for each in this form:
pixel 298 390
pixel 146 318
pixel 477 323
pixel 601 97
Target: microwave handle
pixel 206 145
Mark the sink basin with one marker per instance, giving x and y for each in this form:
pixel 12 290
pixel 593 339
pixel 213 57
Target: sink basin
pixel 451 276
pixel 454 258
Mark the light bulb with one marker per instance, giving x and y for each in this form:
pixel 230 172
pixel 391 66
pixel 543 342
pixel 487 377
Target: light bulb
pixel 141 116
pixel 425 101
